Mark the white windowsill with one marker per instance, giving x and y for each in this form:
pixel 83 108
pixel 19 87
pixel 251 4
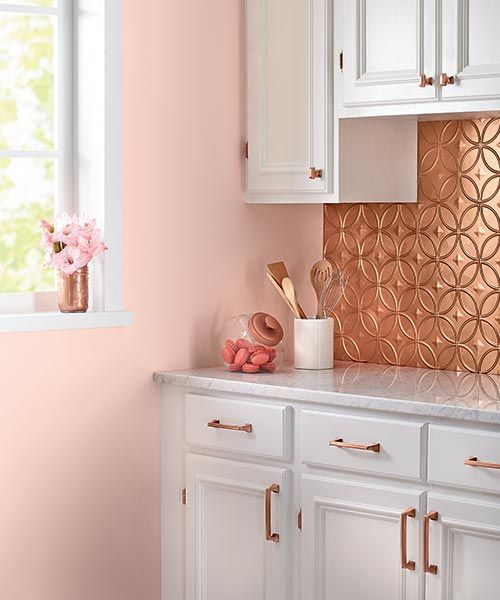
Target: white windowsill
pixel 57 321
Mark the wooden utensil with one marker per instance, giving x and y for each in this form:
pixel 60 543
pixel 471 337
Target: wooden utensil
pixel 321 271
pixel 291 295
pixel 278 272
pixel 280 291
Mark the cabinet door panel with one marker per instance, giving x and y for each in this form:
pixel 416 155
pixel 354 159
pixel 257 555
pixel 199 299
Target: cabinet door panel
pixel 228 555
pixel 351 541
pixel 287 103
pixel 388 45
pixel 465 546
pixel 471 52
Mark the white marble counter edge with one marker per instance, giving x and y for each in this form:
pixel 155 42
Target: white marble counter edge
pixel 297 394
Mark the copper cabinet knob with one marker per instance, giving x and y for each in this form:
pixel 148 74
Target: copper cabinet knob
pixel 425 81
pixel 445 79
pixel 315 173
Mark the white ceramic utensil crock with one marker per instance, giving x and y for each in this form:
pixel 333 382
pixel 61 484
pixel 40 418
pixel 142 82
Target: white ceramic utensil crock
pixel 313 343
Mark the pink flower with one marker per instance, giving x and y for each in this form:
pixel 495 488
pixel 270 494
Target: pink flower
pixel 70 259
pixel 71 243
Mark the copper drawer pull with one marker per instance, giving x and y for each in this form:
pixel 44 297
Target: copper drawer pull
pixel 473 461
pixel 216 424
pixel 272 489
pixel 405 563
pixel 428 568
pixel 339 443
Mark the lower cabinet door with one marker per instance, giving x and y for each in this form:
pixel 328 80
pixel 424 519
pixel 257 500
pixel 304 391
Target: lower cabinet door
pixel 355 539
pixel 464 549
pixel 237 539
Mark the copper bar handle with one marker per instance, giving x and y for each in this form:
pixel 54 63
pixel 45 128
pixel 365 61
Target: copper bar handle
pixel 216 424
pixel 272 489
pixel 428 568
pixel 473 461
pixel 425 81
pixel 445 79
pixel 339 443
pixel 405 563
pixel 315 173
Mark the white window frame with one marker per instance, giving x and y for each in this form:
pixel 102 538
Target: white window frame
pixel 91 170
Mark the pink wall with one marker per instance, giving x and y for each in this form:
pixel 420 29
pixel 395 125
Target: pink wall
pixel 79 415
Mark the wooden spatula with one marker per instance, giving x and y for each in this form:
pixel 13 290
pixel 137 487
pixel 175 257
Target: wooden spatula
pixel 278 272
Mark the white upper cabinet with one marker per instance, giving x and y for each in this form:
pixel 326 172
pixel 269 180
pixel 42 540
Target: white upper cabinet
pixel 471 52
pixel 413 57
pixel 288 89
pixel 389 51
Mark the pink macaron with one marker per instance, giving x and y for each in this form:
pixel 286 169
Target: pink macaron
pixel 242 343
pixel 269 367
pixel 241 356
pixel 259 358
pixel 250 368
pixel 228 355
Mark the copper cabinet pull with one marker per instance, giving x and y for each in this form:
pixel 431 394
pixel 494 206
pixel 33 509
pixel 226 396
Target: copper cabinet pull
pixel 216 424
pixel 445 79
pixel 272 489
pixel 473 461
pixel 405 563
pixel 339 443
pixel 428 568
pixel 425 81
pixel 315 173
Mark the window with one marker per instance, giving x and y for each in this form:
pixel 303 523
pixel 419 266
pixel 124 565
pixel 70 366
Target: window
pixel 60 148
pixel 36 140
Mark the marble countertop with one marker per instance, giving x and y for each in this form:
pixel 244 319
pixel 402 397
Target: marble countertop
pixel 467 396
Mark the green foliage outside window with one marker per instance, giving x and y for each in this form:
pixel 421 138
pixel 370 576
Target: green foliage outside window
pixel 27 184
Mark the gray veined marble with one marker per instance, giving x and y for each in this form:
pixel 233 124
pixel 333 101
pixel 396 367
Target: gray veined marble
pixel 467 396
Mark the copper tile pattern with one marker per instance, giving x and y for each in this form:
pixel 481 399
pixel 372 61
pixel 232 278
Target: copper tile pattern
pixel 424 278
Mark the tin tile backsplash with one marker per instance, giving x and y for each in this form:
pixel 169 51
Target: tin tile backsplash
pixel 424 278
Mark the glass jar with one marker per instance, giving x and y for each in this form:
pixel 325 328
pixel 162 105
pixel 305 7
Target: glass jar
pixel 253 344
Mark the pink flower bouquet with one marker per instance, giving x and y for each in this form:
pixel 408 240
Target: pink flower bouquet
pixel 71 243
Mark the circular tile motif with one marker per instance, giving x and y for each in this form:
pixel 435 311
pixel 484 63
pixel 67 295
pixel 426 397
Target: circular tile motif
pixel 424 279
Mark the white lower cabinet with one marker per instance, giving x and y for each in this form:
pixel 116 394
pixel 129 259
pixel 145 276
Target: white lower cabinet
pixel 464 549
pixel 354 541
pixel 285 501
pixel 232 507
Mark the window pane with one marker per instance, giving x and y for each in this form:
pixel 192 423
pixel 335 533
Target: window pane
pixel 26 82
pixel 27 192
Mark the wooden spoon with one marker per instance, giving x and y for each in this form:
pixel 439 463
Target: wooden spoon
pixel 291 295
pixel 280 291
pixel 321 272
pixel 278 272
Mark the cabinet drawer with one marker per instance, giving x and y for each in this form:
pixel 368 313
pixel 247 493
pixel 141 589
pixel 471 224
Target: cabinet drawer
pixel 450 448
pixel 211 422
pixel 398 453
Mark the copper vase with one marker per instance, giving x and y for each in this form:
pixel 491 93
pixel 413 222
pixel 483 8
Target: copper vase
pixel 73 292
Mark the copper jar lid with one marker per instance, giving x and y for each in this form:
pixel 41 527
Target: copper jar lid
pixel 265 329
